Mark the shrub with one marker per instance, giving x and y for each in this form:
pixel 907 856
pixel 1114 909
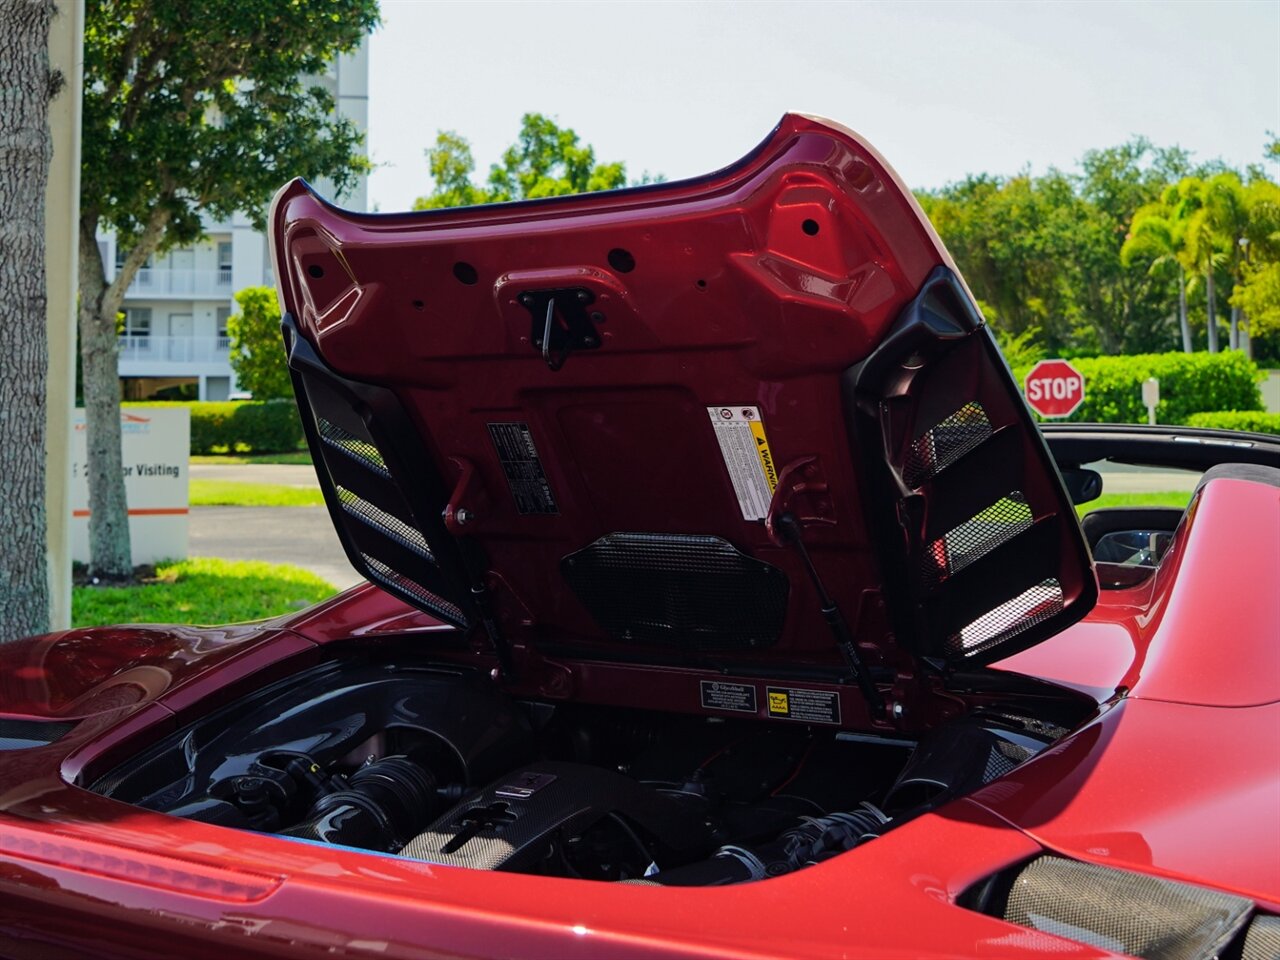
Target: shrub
pixel 1250 420
pixel 257 350
pixel 1189 383
pixel 241 426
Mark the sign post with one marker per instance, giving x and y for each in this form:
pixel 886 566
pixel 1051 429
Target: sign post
pixel 1151 397
pixel 1054 388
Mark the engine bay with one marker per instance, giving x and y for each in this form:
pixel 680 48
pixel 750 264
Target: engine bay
pixel 438 764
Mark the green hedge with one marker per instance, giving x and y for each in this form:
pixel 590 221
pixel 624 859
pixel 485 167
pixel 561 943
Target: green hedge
pixel 1189 384
pixel 241 426
pixel 1250 420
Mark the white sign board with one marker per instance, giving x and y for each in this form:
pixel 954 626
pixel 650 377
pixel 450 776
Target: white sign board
pixel 156 448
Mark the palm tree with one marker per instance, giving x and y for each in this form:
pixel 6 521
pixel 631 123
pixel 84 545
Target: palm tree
pixel 1201 254
pixel 1157 235
pixel 1229 213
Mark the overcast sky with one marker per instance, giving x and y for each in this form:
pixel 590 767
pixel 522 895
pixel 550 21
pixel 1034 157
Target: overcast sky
pixel 942 89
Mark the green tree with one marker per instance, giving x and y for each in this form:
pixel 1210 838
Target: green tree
pixel 1126 304
pixel 1259 298
pixel 191 111
pixel 1047 252
pixel 1257 295
pixel 257 354
pixel 545 161
pixel 1011 238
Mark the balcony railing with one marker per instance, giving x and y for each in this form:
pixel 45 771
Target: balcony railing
pixel 151 282
pixel 174 349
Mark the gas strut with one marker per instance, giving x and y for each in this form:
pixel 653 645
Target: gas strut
pixel 791 530
pixel 476 563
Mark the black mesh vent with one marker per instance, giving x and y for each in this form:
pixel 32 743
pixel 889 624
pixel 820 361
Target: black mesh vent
pixel 692 592
pixel 384 492
pixel 979 545
pixel 385 523
pixel 389 578
pixel 1004 756
pixel 1011 618
pixel 1123 912
pixel 363 452
pixel 24 734
pixel 946 443
pixel 1262 941
pixel 977 536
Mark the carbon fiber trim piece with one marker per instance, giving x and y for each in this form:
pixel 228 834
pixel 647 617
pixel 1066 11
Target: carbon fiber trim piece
pixel 1262 940
pixel 25 734
pixel 1124 912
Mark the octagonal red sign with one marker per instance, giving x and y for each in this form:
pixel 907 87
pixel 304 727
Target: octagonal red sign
pixel 1054 388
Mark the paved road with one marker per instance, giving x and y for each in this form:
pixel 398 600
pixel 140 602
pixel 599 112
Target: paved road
pixel 280 474
pixel 302 536
pixel 1122 478
pixel 1117 478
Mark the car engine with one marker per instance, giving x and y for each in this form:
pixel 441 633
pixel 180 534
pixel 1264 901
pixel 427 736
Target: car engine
pixel 438 765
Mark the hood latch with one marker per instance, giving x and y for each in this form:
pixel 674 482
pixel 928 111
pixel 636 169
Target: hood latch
pixel 562 321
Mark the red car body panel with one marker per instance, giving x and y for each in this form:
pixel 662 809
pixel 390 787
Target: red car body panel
pixel 1150 784
pixel 1175 775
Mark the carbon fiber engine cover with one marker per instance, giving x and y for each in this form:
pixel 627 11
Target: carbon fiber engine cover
pixel 512 821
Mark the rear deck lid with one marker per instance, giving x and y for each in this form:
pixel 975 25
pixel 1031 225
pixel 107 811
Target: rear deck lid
pixel 752 419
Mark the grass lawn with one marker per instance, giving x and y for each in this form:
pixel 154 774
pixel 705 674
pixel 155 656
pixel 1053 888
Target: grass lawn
pixel 202 590
pixel 234 493
pixel 302 457
pixel 1168 498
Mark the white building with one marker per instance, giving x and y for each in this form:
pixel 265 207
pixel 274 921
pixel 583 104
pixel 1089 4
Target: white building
pixel 176 310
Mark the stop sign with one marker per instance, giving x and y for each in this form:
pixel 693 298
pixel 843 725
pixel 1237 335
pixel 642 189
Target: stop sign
pixel 1054 388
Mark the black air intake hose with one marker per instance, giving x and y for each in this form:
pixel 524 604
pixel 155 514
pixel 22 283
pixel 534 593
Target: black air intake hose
pixel 816 838
pixel 382 805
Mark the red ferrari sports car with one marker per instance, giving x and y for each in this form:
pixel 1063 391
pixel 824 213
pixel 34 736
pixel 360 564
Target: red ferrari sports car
pixel 724 601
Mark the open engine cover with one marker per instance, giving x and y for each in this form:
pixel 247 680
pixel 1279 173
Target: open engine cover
pixel 583 420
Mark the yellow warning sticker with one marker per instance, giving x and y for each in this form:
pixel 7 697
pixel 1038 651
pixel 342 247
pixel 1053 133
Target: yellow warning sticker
pixel 744 445
pixel 778 702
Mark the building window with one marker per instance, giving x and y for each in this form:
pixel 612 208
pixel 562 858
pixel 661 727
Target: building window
pixel 224 336
pixel 224 263
pixel 137 328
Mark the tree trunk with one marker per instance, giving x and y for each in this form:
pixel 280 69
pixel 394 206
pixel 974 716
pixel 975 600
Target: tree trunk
pixel 1213 318
pixel 110 552
pixel 26 86
pixel 1183 325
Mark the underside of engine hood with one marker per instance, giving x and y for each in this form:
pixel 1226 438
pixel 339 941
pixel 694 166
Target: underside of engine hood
pixel 750 421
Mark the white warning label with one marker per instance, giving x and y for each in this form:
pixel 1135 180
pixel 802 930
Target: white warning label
pixel 745 449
